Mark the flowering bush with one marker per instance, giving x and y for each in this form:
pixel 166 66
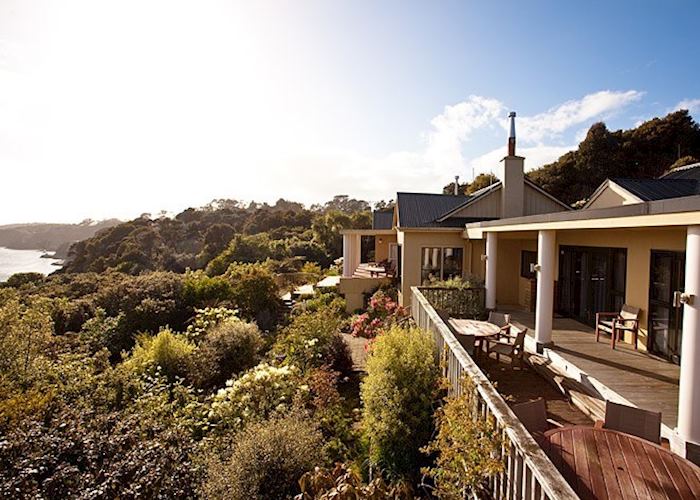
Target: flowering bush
pixel 168 353
pixel 261 392
pixel 208 318
pixel 382 312
pixel 312 340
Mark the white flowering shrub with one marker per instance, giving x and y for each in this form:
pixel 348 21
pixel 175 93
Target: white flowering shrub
pixel 261 392
pixel 208 318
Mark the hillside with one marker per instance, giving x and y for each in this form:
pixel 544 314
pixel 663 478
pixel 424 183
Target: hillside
pixel 52 237
pixel 220 233
pixel 646 151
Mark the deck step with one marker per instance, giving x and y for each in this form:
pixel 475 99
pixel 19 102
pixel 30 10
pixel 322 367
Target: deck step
pixel 589 403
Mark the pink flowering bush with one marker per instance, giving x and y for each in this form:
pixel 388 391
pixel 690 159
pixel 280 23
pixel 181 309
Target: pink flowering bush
pixel 382 312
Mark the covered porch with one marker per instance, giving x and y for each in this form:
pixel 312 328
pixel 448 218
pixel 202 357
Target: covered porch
pixel 646 256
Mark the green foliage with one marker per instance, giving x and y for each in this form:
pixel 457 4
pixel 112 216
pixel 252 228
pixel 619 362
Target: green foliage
pixel 254 292
pixel 258 394
pixel 326 229
pixel 18 280
pixel 267 460
pixel 199 289
pixel 382 312
pixel 242 249
pixel 101 330
pixel 343 482
pixel 682 162
pixel 208 318
pixel 25 334
pixel 642 152
pixel 467 447
pixel 167 353
pixel 398 393
pixel 228 348
pixel 312 339
pixel 331 300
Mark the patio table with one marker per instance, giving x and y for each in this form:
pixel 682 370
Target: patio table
pixel 375 270
pixel 602 463
pixel 475 328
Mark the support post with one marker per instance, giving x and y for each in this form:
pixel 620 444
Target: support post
pixel 544 312
pixel 347 258
pixel 688 429
pixel 491 263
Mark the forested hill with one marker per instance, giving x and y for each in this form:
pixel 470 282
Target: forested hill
pixel 223 232
pixel 54 237
pixel 643 152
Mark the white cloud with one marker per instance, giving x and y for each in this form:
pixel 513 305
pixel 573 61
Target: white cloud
pixel 455 125
pixel 535 156
pixel 691 105
pixel 556 120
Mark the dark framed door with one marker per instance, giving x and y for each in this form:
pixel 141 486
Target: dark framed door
pixel 666 276
pixel 591 280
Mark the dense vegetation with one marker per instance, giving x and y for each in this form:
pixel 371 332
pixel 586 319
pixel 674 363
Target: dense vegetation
pixel 225 231
pixel 646 151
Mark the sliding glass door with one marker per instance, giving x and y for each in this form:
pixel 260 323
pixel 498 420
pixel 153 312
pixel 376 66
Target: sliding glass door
pixel 667 276
pixel 591 280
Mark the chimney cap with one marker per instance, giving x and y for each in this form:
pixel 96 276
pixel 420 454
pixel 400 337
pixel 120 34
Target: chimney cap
pixel 511 114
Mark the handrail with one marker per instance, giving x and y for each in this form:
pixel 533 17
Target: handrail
pixel 528 472
pixel 457 302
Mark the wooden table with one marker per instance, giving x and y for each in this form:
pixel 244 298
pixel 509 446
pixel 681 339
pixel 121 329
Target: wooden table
pixel 375 270
pixel 474 328
pixel 602 463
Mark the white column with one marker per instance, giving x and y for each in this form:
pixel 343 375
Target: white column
pixel 491 263
pixel 689 389
pixel 546 260
pixel 356 243
pixel 347 259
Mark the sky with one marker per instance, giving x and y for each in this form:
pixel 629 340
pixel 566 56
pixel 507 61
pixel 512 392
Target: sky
pixel 113 109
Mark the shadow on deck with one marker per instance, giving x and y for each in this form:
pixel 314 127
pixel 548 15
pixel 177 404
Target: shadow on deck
pixel 622 375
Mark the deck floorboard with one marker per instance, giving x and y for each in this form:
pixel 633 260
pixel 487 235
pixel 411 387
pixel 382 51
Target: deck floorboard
pixel 647 381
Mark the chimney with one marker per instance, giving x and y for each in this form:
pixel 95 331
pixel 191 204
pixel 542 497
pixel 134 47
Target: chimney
pixel 456 185
pixel 512 176
pixel 511 136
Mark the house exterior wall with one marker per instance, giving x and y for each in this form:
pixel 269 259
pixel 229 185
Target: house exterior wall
pixel 537 203
pixel 412 243
pixel 487 207
pixel 610 197
pixel 381 246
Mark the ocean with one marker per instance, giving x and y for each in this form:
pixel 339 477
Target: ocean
pixel 23 261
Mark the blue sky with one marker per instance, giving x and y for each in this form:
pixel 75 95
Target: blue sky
pixel 114 109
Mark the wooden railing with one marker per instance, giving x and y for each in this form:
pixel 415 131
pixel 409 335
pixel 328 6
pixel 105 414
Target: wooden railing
pixel 457 302
pixel 528 473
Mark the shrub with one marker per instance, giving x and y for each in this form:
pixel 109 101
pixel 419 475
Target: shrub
pixel 227 349
pixel 207 318
pixel 398 393
pixel 321 300
pixel 382 312
pixel 254 292
pixel 467 447
pixel 266 462
pixel 312 340
pixel 256 395
pixel 167 352
pixel 100 330
pixel 343 482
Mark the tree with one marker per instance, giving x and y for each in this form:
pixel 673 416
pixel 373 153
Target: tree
pixel 682 162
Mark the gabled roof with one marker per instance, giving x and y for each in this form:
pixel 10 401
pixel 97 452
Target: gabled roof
pixel 383 219
pixel 659 189
pixel 425 210
pixel 691 171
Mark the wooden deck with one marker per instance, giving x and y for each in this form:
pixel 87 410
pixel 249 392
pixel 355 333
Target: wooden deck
pixel 644 380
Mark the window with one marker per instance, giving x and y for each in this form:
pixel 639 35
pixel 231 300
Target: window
pixel 527 259
pixel 441 263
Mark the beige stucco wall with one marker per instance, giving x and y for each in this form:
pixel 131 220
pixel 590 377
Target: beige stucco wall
pixel 353 290
pixel 639 244
pixel 381 246
pixel 610 197
pixel 412 244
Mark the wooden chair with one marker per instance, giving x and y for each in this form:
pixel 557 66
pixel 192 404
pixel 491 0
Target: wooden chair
pixel 631 420
pixel 615 323
pixel 533 415
pixel 511 345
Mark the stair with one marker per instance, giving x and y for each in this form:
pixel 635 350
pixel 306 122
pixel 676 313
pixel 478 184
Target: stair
pixel 584 398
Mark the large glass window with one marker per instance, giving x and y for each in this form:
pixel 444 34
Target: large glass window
pixel 441 263
pixel 528 258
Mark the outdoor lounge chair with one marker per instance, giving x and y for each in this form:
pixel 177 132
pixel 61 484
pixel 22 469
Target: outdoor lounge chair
pixel 631 420
pixel 533 415
pixel 616 323
pixel 509 344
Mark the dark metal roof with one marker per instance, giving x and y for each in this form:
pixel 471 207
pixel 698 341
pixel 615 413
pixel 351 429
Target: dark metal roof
pixel 686 172
pixel 424 210
pixel 383 219
pixel 659 189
